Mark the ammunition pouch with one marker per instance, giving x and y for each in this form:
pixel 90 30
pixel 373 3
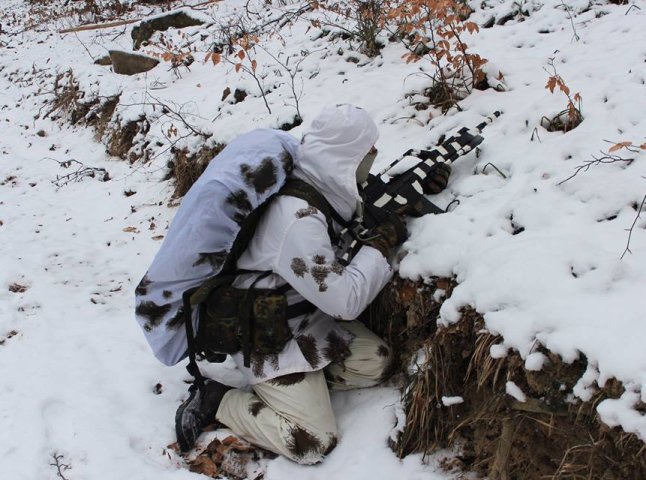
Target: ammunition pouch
pixel 253 320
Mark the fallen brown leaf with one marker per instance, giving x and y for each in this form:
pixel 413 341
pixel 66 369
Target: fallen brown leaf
pixel 442 283
pixel 229 440
pixel 17 288
pixel 205 466
pixel 174 447
pixel 131 230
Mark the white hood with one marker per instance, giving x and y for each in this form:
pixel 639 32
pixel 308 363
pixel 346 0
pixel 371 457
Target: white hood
pixel 331 151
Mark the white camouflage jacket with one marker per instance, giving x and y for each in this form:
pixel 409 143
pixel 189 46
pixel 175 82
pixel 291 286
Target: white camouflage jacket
pixel 292 241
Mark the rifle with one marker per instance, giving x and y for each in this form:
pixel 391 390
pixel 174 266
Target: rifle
pixel 403 194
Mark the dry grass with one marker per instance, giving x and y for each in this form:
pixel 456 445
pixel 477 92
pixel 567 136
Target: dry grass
pixel 187 167
pixel 121 138
pixel 66 97
pixel 546 437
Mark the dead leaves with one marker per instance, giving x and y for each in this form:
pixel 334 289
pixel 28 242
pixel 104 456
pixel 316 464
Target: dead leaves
pixel 205 466
pixel 556 81
pixel 223 457
pixel 18 288
pixel 214 57
pixel 9 335
pixel 628 146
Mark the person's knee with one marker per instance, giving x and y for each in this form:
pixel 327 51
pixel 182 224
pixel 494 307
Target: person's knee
pixel 383 361
pixel 307 448
pixel 379 358
pixel 372 362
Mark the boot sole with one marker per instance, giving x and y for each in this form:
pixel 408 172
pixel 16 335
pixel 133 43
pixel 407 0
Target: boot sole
pixel 184 444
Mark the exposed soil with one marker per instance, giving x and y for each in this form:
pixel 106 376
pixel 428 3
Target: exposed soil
pixel 550 435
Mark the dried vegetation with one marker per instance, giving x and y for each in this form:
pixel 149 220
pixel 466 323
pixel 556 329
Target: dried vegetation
pixel 187 167
pixel 551 435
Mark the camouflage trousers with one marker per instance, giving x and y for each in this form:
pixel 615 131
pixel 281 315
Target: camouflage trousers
pixel 292 415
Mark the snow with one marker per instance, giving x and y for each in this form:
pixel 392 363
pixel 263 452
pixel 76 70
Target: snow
pixel 450 401
pixel 535 361
pixel 514 390
pixel 78 378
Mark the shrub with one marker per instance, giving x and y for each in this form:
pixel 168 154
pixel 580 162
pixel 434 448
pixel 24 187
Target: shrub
pixel 434 30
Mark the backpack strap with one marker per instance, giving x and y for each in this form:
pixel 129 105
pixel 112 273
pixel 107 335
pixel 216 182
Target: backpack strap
pixel 295 187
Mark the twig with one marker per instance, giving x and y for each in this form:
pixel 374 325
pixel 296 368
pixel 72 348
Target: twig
pixel 292 75
pixel 495 168
pixel 569 14
pixel 79 174
pixel 631 7
pixel 60 467
pixel 606 158
pixel 167 110
pixel 84 47
pixel 99 26
pixel 630 232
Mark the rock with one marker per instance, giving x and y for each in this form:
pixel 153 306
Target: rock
pixel 105 61
pixel 145 29
pixel 126 63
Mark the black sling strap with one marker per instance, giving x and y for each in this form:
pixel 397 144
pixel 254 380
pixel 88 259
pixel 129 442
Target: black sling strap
pixel 192 367
pixel 295 188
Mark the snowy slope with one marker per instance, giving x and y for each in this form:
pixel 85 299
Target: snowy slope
pixel 77 376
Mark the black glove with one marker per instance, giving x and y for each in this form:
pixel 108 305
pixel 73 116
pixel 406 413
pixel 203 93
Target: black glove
pixel 437 178
pixel 390 233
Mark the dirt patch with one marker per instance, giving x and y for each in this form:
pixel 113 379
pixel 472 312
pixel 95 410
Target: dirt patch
pixel 550 435
pixel 187 167
pixel 121 138
pixel 100 115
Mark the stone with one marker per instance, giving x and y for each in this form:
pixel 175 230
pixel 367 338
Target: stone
pixel 146 28
pixel 126 63
pixel 105 61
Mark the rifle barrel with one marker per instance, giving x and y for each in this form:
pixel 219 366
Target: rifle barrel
pixel 435 152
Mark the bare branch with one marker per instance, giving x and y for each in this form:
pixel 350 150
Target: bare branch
pixel 176 113
pixel 60 467
pixel 630 232
pixel 99 26
pixel 79 174
pixel 605 159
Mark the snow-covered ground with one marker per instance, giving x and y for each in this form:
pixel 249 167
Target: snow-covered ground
pixel 77 378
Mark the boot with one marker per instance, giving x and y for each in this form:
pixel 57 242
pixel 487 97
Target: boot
pixel 198 411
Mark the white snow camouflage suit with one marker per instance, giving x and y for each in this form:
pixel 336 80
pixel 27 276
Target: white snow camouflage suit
pixel 291 240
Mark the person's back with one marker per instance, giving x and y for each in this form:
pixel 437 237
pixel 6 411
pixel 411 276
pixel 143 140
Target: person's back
pixel 293 310
pixel 289 411
pixel 203 230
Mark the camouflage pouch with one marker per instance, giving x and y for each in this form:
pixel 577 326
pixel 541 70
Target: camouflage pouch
pixel 270 329
pixel 224 315
pixel 220 329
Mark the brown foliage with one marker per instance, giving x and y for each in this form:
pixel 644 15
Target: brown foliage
pixel 187 167
pixel 548 436
pixel 434 30
pixel 569 118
